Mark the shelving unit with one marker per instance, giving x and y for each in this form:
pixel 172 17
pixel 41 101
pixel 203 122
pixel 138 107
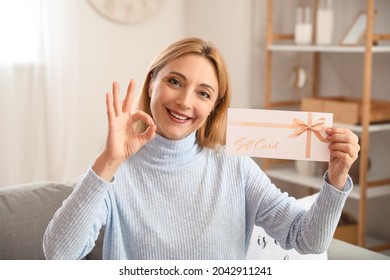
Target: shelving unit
pixel 369 187
pixel 287 172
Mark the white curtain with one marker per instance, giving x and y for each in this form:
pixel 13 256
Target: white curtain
pixel 38 90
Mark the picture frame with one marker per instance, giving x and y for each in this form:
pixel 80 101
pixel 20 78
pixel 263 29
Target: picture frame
pixel 356 31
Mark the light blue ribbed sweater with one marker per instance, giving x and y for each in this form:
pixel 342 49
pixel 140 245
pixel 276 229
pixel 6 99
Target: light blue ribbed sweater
pixel 174 200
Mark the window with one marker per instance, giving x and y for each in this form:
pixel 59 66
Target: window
pixel 18 31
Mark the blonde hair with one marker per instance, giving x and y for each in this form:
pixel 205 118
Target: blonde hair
pixel 213 132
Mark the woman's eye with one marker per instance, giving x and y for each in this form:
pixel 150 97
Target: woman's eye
pixel 174 82
pixel 204 94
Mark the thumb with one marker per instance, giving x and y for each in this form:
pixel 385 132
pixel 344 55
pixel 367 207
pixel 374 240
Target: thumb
pixel 149 133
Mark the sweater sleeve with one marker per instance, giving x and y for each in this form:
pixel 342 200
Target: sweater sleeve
pixel 74 228
pixel 309 232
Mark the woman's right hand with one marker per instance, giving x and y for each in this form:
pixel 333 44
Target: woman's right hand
pixel 123 140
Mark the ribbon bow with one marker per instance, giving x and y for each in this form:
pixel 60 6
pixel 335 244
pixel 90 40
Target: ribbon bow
pixel 301 127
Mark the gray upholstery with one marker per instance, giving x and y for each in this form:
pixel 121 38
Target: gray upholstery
pixel 25 211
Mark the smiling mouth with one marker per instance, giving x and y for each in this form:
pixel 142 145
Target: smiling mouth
pixel 178 116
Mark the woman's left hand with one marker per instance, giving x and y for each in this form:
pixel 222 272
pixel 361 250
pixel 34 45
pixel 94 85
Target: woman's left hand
pixel 344 148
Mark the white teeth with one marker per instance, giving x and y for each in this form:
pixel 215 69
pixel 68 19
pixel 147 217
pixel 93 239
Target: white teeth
pixel 178 116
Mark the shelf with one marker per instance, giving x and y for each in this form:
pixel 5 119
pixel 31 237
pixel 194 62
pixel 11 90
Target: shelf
pixel 280 42
pixel 325 49
pixel 289 174
pixel 371 128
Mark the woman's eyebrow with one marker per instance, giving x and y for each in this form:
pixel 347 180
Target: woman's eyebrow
pixel 179 74
pixel 185 78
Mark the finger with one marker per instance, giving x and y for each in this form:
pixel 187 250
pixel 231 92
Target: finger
pixel 117 99
pixel 342 135
pixel 347 132
pixel 344 148
pixel 149 133
pixel 142 116
pixel 342 157
pixel 110 108
pixel 129 97
pixel 338 130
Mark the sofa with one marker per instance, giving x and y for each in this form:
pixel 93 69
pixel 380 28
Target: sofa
pixel 26 209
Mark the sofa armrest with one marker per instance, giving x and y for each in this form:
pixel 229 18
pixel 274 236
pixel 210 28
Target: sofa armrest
pixel 25 211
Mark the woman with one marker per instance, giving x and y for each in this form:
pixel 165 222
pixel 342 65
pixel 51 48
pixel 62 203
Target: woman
pixel 164 187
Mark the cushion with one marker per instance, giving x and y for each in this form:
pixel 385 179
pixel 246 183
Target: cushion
pixel 25 211
pixel 262 246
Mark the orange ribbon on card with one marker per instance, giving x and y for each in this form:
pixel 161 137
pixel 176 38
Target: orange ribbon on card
pixel 300 127
pixel 316 128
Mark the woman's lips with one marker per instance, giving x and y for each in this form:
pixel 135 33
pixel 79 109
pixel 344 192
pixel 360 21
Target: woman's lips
pixel 178 116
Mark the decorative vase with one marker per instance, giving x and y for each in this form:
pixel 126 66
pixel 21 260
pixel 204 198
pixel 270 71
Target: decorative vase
pixel 324 25
pixel 303 27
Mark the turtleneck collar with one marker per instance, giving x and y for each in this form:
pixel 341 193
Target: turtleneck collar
pixel 165 152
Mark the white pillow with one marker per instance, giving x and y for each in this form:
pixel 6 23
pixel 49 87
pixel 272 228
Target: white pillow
pixel 262 246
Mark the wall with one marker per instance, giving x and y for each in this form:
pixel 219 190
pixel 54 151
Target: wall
pixel 228 25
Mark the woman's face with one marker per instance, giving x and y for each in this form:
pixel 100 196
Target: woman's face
pixel 183 94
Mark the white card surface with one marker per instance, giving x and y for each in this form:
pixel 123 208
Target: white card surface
pixel 278 134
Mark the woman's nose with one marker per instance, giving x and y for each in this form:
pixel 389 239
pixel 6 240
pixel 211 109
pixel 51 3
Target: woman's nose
pixel 184 99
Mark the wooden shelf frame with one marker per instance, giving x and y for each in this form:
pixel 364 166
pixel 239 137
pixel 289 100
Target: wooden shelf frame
pixel 325 49
pixel 277 42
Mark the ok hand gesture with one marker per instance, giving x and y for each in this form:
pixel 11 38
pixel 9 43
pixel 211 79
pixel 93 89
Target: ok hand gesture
pixel 123 140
